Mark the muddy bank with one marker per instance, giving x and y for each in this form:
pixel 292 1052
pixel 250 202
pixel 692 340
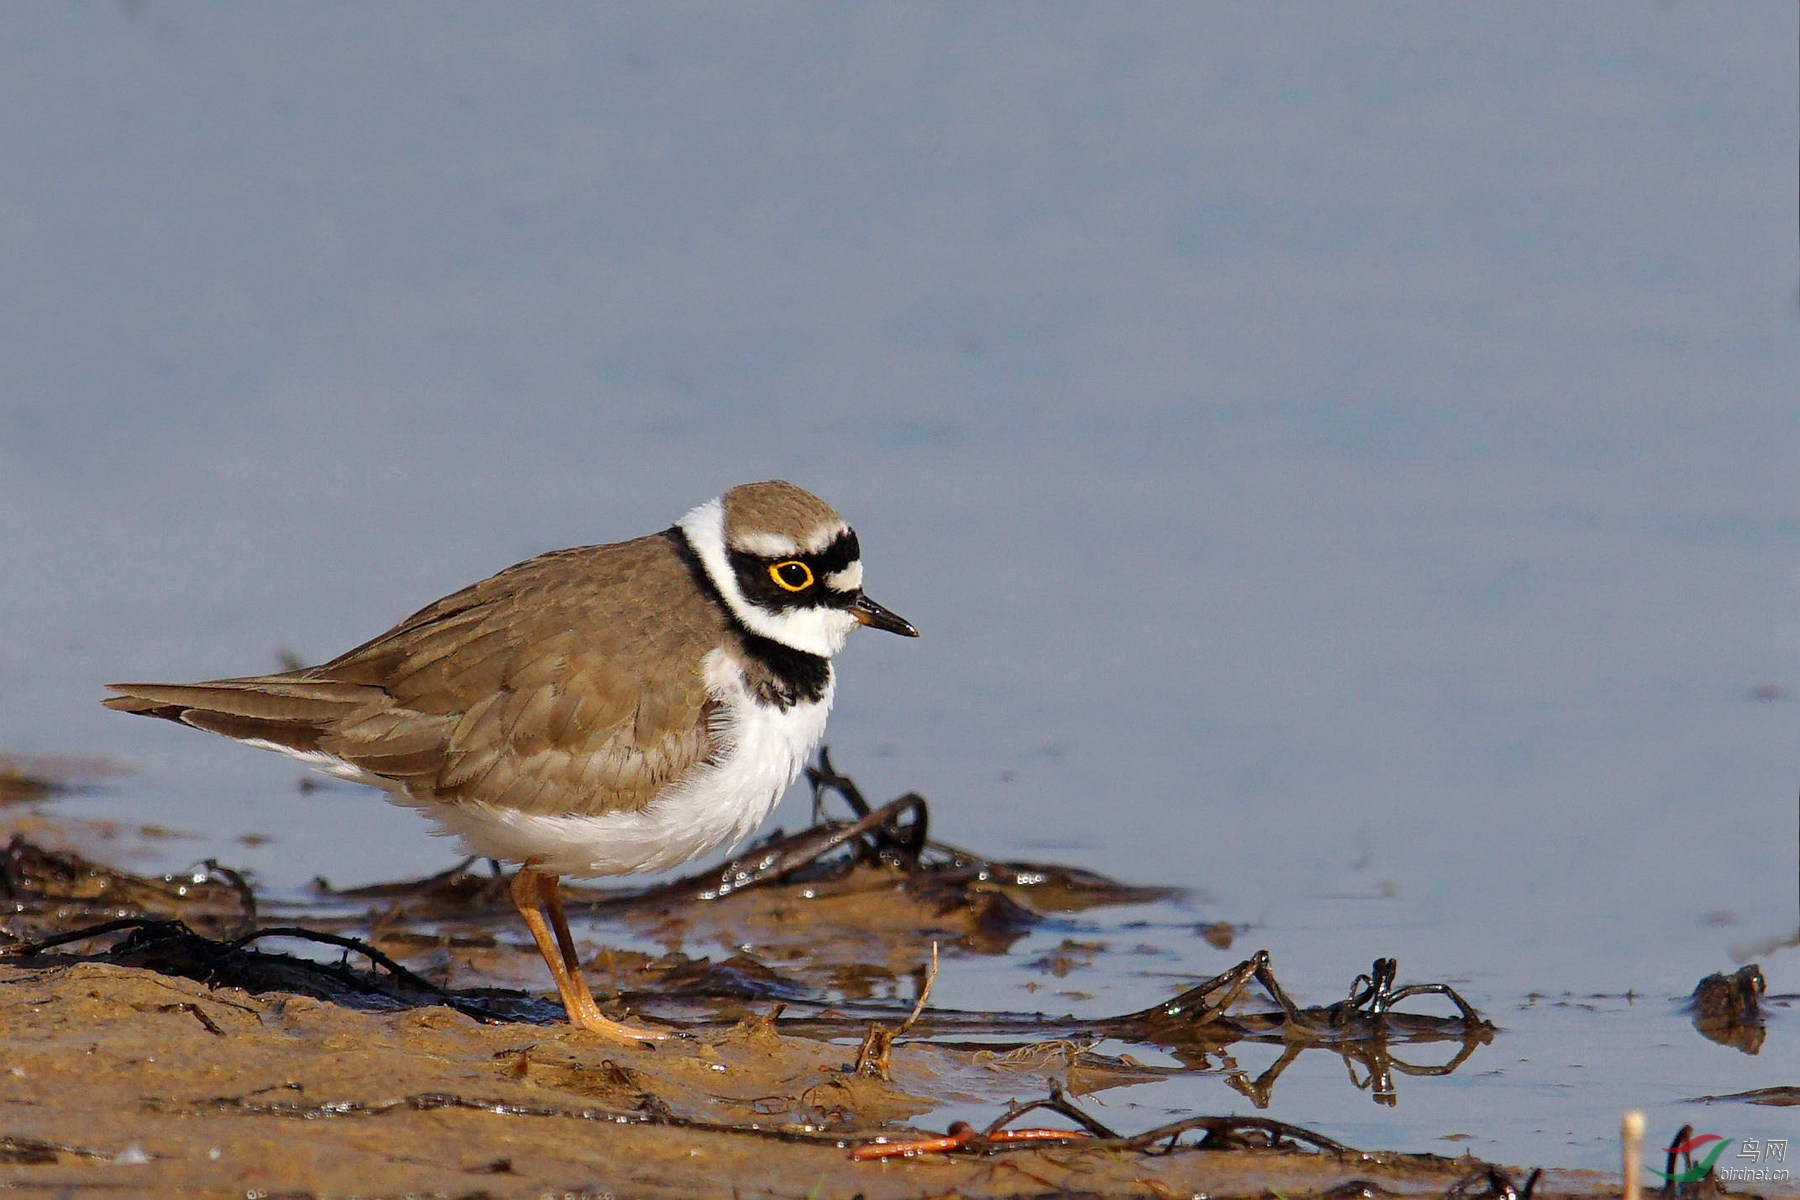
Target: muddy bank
pixel 120 1078
pixel 165 1037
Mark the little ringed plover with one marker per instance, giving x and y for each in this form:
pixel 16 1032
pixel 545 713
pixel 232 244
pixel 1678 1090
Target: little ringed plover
pixel 593 711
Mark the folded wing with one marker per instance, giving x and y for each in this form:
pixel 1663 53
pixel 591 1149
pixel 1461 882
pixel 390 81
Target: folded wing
pixel 543 688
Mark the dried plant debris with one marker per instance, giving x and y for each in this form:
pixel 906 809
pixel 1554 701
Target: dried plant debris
pixel 46 890
pixel 1198 1026
pixel 1215 1134
pixel 381 1005
pixel 1727 1009
pixel 171 948
pixel 1218 1133
pixel 1490 1181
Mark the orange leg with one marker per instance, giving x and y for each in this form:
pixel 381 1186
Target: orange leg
pixel 532 892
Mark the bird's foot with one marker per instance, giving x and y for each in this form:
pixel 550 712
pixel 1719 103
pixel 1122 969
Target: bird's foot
pixel 590 1018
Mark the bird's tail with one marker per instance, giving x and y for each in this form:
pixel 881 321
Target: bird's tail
pixel 282 712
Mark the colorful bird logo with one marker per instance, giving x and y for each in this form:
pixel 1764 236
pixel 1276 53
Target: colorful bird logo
pixel 1700 1169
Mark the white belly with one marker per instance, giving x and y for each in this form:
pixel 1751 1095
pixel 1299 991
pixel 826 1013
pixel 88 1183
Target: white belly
pixel 714 805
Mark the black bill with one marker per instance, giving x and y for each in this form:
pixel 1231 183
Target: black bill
pixel 869 613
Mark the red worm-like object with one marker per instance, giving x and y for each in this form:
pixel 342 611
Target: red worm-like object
pixel 960 1134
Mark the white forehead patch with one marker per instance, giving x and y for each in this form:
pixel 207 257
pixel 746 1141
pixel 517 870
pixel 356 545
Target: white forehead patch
pixel 823 536
pixel 847 580
pixel 765 545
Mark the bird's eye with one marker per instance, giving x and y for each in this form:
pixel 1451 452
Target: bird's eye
pixel 792 575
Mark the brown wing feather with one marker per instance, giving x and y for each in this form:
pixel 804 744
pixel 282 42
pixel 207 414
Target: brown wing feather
pixel 544 688
pixel 278 709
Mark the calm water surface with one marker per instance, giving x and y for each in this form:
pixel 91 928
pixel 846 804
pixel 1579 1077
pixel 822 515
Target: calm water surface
pixel 1342 460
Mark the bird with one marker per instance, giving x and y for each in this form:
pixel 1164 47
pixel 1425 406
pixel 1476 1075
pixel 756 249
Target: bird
pixel 595 711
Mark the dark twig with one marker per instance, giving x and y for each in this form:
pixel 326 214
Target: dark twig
pixel 1219 1129
pixel 171 948
pixel 354 945
pixel 1221 1133
pixel 1057 1103
pixel 824 777
pixel 772 862
pixel 1492 1182
pixel 85 933
pixel 240 885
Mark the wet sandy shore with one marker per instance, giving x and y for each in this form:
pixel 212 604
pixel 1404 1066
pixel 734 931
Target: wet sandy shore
pixel 161 1042
pixel 121 1078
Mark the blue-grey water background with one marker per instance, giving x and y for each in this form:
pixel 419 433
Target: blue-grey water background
pixel 1343 458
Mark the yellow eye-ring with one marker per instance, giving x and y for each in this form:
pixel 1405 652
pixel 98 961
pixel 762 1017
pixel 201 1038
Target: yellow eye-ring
pixel 792 575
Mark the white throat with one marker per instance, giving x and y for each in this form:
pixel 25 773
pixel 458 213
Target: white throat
pixel 820 631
